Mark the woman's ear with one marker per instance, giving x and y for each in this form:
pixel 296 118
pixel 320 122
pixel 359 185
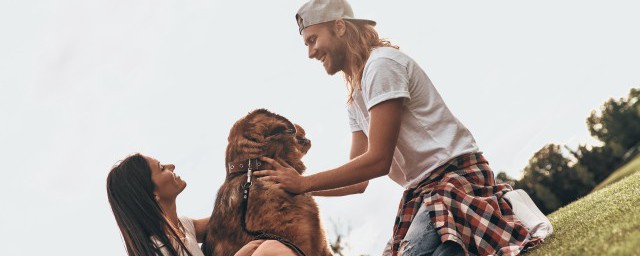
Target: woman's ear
pixel 340 27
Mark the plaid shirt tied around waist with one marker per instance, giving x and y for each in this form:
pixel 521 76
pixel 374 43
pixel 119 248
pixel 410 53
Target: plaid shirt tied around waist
pixel 466 206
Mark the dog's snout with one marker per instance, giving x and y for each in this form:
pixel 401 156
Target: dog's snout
pixel 303 141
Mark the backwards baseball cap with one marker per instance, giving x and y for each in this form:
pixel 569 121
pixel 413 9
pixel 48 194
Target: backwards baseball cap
pixel 319 11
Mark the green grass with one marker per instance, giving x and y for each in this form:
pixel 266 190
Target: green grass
pixel 605 222
pixel 622 172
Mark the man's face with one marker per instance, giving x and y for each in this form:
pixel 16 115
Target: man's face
pixel 324 46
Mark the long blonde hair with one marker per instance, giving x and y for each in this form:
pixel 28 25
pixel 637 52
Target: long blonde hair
pixel 360 38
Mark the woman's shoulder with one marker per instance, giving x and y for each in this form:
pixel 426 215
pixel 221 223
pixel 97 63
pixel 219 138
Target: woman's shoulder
pixel 188 224
pixel 185 219
pixel 191 240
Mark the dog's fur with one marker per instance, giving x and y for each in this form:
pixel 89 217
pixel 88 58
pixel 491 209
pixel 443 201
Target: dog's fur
pixel 270 209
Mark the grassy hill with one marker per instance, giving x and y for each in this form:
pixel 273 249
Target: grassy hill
pixel 622 172
pixel 605 222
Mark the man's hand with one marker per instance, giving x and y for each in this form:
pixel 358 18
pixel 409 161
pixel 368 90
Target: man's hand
pixel 284 175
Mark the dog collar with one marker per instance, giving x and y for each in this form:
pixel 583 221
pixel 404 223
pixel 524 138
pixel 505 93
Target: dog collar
pixel 242 167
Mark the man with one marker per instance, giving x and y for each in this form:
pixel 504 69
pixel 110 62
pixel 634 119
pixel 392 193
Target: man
pixel 402 128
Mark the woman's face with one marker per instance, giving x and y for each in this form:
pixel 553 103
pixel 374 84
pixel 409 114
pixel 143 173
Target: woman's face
pixel 168 184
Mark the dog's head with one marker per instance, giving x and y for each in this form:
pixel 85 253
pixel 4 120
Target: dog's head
pixel 262 133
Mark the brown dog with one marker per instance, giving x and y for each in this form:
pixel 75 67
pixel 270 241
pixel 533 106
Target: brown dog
pixel 269 209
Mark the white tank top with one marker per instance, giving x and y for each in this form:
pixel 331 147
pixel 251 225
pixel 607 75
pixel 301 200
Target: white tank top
pixel 189 241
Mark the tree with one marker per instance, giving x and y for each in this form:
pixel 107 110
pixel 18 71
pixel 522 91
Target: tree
pixel 546 163
pixel 339 245
pixel 600 161
pixel 552 180
pixel 502 177
pixel 617 123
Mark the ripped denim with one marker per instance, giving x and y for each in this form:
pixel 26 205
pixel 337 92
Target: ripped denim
pixel 423 240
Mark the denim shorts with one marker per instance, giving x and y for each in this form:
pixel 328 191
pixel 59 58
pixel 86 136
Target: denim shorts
pixel 423 240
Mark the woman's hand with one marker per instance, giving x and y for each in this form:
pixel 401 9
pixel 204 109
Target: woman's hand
pixel 249 248
pixel 286 176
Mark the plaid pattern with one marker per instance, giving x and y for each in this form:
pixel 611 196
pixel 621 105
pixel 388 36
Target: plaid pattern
pixel 466 206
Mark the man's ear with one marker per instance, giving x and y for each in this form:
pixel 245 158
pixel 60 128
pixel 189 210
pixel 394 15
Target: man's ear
pixel 340 27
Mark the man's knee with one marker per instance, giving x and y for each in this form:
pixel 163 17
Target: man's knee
pixel 449 248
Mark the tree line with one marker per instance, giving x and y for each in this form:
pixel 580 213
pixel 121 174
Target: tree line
pixel 557 175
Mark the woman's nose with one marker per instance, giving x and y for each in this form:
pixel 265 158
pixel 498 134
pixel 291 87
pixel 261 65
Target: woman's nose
pixel 171 167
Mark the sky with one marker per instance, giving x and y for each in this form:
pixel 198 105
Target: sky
pixel 85 83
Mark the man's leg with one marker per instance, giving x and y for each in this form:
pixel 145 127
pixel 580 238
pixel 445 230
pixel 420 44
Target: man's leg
pixel 422 239
pixel 449 248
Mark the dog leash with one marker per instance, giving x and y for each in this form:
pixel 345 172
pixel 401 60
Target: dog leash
pixel 260 235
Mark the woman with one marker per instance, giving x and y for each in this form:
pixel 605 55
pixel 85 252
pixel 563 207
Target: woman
pixel 142 193
pixel 402 128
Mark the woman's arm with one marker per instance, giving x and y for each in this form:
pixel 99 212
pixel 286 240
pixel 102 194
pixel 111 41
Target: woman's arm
pixel 200 225
pixel 359 145
pixel 375 162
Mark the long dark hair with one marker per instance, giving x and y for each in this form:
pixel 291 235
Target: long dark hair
pixel 139 217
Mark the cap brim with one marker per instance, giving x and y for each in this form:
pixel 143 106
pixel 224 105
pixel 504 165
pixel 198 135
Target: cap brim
pixel 372 23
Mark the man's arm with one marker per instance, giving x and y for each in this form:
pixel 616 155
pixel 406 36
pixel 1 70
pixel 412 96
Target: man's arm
pixel 383 136
pixel 359 145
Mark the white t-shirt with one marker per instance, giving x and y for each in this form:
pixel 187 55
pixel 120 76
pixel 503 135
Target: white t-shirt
pixel 430 135
pixel 190 240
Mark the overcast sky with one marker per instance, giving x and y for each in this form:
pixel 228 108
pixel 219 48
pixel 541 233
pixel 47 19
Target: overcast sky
pixel 85 83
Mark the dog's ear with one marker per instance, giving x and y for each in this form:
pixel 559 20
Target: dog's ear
pixel 246 138
pixel 299 130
